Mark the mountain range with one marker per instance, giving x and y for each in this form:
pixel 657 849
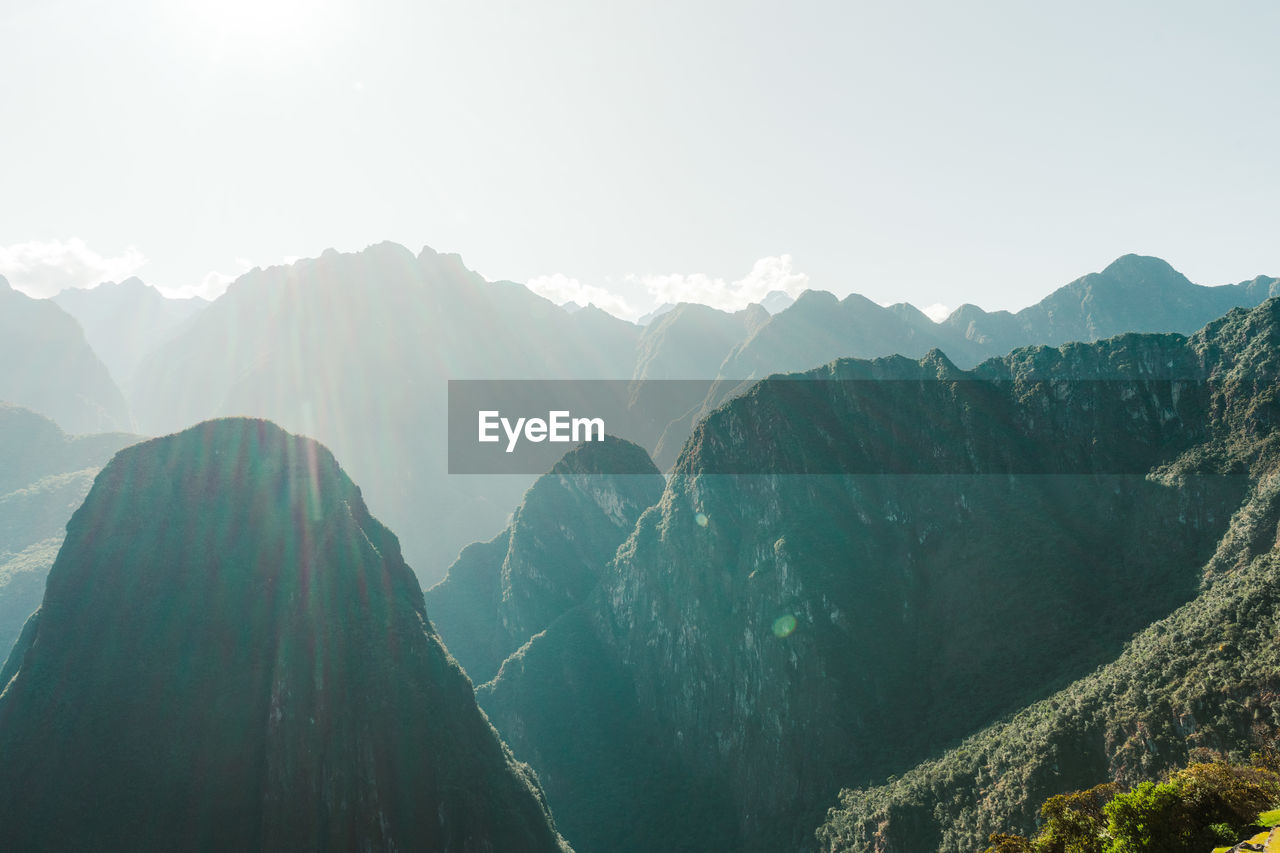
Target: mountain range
pixel 772 637
pixel 356 350
pixel 876 583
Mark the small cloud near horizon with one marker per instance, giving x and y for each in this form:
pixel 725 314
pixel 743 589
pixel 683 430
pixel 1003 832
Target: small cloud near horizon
pixel 560 288
pixel 937 312
pixel 767 274
pixel 41 269
pixel 214 283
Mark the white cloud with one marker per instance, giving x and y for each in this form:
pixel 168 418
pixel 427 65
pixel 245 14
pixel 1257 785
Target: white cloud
pixel 559 288
pixel 937 312
pixel 212 285
pixel 41 269
pixel 772 273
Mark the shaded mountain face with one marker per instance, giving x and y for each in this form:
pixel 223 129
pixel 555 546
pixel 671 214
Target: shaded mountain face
pixel 232 655
pixel 500 593
pixel 44 476
pixel 1201 682
pixel 126 320
pixel 47 366
pixel 777 636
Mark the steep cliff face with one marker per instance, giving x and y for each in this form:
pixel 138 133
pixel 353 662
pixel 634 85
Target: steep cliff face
pixel 500 593
pixel 231 654
pixel 852 568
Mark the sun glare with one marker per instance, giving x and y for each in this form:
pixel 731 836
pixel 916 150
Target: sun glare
pixel 263 26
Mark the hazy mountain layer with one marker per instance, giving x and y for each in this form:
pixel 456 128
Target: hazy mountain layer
pixel 782 635
pixel 357 350
pixel 500 593
pixel 44 476
pixel 47 366
pixel 1133 294
pixel 124 321
pixel 232 655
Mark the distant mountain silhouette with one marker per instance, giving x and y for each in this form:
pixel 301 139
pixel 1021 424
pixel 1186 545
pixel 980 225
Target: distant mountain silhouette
pixel 646 319
pixel 124 321
pixel 44 475
pixel 819 328
pixel 500 593
pixel 1133 294
pixel 776 301
pixel 232 655
pixel 47 365
pixel 690 341
pixel 357 350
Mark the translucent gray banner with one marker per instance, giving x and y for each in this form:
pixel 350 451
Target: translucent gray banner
pixel 789 425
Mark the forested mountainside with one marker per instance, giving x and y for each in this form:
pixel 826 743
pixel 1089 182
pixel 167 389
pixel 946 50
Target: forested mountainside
pixel 1200 682
pixel 500 593
pixel 44 475
pixel 231 654
pixel 996 534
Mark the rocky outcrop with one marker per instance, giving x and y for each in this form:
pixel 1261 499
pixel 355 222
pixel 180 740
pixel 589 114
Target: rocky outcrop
pixel 500 593
pixel 232 655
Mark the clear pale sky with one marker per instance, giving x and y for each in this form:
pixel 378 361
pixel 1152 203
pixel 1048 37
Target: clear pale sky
pixel 931 152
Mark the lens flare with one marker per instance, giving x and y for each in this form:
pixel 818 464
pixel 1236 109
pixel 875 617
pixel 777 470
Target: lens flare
pixel 784 625
pixel 701 519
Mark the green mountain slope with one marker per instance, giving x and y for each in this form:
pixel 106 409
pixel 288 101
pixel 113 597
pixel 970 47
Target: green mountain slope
pixel 1204 679
pixel 231 654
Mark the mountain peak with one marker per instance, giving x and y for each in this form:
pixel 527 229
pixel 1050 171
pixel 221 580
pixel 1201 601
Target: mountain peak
pixel 776 301
pixel 613 455
pixel 1131 266
pixel 243 657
